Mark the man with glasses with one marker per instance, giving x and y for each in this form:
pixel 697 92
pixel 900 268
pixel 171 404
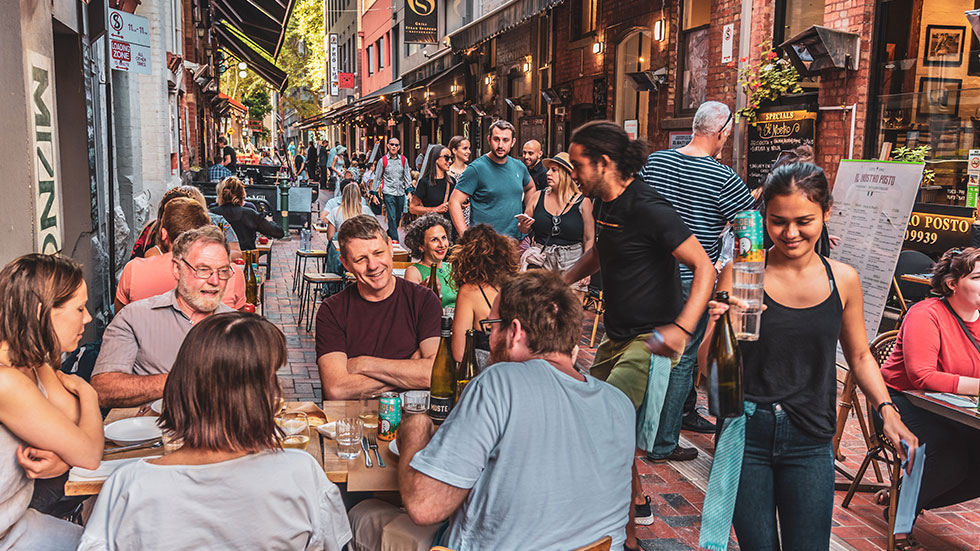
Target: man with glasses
pixel 395 178
pixel 140 345
pixel 707 195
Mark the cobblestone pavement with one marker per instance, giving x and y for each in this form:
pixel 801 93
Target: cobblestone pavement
pixel 676 489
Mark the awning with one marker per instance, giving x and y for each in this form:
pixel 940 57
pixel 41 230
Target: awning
pixel 263 21
pixel 356 107
pixel 436 77
pixel 497 22
pixel 392 88
pixel 223 104
pixel 244 49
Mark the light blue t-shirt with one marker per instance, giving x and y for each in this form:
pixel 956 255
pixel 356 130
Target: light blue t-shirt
pixel 496 193
pixel 547 459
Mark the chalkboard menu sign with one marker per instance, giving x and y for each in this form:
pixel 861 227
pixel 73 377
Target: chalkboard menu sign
pixel 775 131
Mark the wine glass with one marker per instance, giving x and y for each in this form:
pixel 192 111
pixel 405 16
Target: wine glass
pixel 296 429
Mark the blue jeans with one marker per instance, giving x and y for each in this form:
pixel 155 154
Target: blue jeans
pixel 394 205
pixel 681 382
pixel 784 472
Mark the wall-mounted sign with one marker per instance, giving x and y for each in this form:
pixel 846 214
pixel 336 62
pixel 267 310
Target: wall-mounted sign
pixel 130 57
pixel 421 22
pixel 632 128
pixel 346 81
pixel 680 139
pixel 126 27
pixel 48 232
pixel 774 132
pixel 255 125
pixel 334 70
pixel 727 43
pixel 936 233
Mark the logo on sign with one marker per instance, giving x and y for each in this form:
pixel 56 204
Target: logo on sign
pixel 975 162
pixel 422 7
pixel 116 21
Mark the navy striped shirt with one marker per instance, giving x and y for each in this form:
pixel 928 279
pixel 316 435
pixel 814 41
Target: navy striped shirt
pixel 705 193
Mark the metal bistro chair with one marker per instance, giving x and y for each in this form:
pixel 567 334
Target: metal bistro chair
pixel 881 449
pixel 314 285
pixel 299 264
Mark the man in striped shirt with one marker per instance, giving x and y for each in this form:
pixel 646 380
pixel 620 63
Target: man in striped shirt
pixel 707 195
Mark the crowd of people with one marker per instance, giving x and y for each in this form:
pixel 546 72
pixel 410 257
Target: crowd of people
pixel 513 245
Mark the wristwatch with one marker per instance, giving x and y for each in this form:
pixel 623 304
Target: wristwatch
pixel 887 403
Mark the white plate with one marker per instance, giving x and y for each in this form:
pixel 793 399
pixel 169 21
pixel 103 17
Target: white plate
pixel 393 447
pixel 133 430
pixel 157 406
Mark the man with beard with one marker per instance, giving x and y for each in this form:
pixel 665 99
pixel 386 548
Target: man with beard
pixel 527 431
pixel 494 185
pixel 639 241
pixel 141 343
pixel 532 155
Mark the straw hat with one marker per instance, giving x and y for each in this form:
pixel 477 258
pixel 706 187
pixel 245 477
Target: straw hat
pixel 561 160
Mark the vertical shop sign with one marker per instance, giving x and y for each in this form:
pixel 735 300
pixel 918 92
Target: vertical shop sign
pixel 48 229
pixel 973 178
pixel 421 22
pixel 632 128
pixel 727 43
pixel 334 70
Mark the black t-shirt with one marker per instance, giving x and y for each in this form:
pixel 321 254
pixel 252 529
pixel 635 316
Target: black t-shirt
pixel 540 175
pixel 229 150
pixel 433 195
pixel 298 160
pixel 636 235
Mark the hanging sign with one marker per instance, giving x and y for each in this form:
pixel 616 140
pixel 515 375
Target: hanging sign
pixel 129 42
pixel 727 43
pixel 48 230
pixel 346 81
pixel 334 70
pixel 421 22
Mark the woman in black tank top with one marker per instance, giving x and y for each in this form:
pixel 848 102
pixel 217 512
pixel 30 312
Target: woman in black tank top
pixel 790 374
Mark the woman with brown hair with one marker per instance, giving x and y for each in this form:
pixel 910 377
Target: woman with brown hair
pixel 246 221
pixel 481 260
pixel 150 244
pixel 230 484
pixel 48 420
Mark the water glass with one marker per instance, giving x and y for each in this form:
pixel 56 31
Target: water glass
pixel 296 429
pixel 415 401
pixel 170 444
pixel 348 437
pixel 367 412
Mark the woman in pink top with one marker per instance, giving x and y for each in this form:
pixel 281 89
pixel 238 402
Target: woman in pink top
pixel 937 350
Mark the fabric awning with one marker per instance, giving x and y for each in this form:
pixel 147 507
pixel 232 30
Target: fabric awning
pixel 436 77
pixel 392 88
pixel 263 21
pixel 497 22
pixel 244 49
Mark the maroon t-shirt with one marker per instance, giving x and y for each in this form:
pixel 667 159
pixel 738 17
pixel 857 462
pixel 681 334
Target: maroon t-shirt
pixel 392 328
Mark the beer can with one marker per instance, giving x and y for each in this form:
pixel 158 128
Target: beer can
pixel 749 246
pixel 389 415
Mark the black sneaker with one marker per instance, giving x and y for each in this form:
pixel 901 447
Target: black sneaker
pixel 695 423
pixel 643 514
pixel 679 454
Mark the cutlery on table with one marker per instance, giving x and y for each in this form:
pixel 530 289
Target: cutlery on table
pixel 367 454
pixel 151 444
pixel 373 444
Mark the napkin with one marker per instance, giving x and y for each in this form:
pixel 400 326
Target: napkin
pixel 106 468
pixel 328 430
pixel 909 496
pixel 952 399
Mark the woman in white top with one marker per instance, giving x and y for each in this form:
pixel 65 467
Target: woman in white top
pixel 351 205
pixel 231 485
pixel 48 420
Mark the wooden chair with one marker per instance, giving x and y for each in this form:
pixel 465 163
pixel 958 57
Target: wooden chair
pixel 602 544
pixel 881 449
pixel 848 400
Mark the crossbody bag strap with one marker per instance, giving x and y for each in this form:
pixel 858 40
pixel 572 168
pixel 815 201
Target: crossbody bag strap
pixel 959 320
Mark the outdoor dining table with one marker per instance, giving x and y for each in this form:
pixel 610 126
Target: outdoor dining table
pixel 353 472
pixel 968 416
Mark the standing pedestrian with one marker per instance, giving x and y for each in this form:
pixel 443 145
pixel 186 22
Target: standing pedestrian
pixel 707 195
pixel 639 242
pixel 393 177
pixel 494 185
pixel 532 155
pixel 323 168
pixel 299 166
pixel 311 160
pixel 228 156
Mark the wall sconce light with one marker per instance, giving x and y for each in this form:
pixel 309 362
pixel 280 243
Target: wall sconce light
pixel 426 94
pixel 659 30
pixel 527 65
pixel 242 66
pixel 200 31
pixel 487 80
pixel 381 97
pixel 454 88
pixel 597 47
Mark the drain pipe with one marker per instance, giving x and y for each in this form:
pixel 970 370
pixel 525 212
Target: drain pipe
pixel 853 109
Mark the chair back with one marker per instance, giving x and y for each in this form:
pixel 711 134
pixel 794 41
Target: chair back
pixel 602 544
pixel 912 262
pixel 881 348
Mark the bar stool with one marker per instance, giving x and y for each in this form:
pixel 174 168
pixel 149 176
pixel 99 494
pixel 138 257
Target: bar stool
pixel 312 285
pixel 299 265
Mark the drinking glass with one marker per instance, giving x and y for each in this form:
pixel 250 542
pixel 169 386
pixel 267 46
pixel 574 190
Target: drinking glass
pixel 367 412
pixel 170 444
pixel 348 437
pixel 296 429
pixel 415 401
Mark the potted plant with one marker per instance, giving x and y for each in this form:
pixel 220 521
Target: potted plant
pixel 766 81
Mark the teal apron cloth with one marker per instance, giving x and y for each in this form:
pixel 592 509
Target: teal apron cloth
pixel 726 469
pixel 648 417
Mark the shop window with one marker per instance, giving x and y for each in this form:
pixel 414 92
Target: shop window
pixel 584 15
pixel 370 59
pixel 693 52
pixel 928 90
pixel 632 56
pixel 381 53
pixel 458 13
pixel 794 16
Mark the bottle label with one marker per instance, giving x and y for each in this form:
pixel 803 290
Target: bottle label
pixel 749 246
pixel 439 408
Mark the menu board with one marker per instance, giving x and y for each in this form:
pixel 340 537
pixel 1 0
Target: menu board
pixel 774 132
pixel 872 204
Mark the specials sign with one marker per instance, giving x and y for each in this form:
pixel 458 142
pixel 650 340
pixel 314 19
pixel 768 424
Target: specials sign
pixel 421 22
pixel 774 132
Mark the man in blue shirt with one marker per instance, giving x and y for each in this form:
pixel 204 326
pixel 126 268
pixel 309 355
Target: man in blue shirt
pixel 535 455
pixel 494 185
pixel 218 172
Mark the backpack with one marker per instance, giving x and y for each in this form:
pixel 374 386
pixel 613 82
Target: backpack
pixel 384 162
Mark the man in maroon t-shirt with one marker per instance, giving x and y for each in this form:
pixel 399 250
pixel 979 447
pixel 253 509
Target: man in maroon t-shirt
pixel 381 333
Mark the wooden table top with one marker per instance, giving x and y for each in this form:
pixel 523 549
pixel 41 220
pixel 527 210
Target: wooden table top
pixel 966 416
pixel 923 279
pixel 338 470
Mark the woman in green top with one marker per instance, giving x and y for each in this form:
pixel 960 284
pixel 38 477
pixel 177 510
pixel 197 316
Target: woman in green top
pixel 428 240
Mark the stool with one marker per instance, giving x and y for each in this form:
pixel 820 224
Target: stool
pixel 308 294
pixel 299 266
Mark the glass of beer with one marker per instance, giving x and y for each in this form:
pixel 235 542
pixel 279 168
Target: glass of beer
pixel 367 412
pixel 295 428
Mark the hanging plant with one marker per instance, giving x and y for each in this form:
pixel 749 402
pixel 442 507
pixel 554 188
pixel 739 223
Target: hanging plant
pixel 768 80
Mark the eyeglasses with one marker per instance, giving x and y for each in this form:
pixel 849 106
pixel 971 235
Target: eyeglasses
pixel 487 324
pixel 447 157
pixel 204 272
pixel 722 129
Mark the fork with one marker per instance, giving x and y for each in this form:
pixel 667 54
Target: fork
pixel 373 444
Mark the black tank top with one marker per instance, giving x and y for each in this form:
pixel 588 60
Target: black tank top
pixel 794 361
pixel 571 227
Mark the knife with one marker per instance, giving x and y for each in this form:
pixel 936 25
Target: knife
pixel 367 455
pixel 155 443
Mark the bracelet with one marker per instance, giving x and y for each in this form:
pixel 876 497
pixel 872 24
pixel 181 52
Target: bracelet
pixel 883 404
pixel 689 334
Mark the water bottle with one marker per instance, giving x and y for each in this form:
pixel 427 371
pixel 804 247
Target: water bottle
pixel 304 239
pixel 748 271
